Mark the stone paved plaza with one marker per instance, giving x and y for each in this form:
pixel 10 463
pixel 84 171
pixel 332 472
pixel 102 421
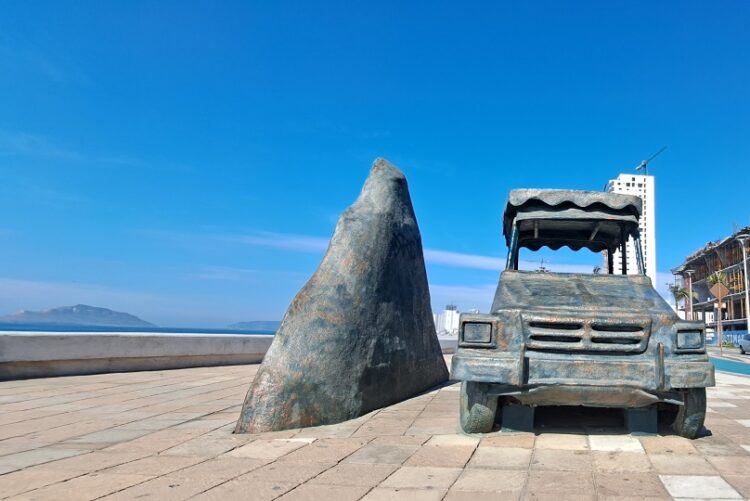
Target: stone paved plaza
pixel 168 435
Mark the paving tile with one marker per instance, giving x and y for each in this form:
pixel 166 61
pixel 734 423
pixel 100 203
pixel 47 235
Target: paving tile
pixel 21 481
pixel 391 494
pixel 202 447
pixel 615 443
pixel 270 449
pixel 167 488
pixel 559 483
pixel 665 497
pixel 550 496
pixel 25 459
pixel 727 465
pixel 245 489
pixel 154 465
pixel 434 426
pixel 287 472
pixel 515 440
pixel 110 436
pixel 485 480
pixel 681 464
pixel 91 486
pixel 561 441
pixel 93 461
pixel 326 450
pixel 439 452
pixel 453 441
pixel 558 459
pixel 629 484
pixel 668 445
pixel 401 440
pixel 363 475
pixel 698 486
pixel 741 483
pixel 382 454
pixel 309 492
pixel 500 458
pixel 621 462
pixel 422 477
pixel 717 445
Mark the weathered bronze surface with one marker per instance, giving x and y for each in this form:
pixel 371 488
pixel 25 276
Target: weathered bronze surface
pixel 360 333
pixel 598 340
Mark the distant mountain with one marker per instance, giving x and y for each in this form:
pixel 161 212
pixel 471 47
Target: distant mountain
pixel 79 314
pixel 257 325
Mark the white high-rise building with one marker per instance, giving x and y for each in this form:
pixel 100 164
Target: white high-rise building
pixel 446 322
pixel 642 186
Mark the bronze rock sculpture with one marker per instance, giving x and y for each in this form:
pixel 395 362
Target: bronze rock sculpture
pixel 360 334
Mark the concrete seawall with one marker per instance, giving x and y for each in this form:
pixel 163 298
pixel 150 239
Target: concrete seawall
pixel 43 354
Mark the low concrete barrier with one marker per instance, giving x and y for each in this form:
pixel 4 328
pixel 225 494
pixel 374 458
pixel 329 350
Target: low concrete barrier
pixel 448 345
pixel 42 354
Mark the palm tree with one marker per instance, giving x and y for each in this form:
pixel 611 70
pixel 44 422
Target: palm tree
pixel 682 294
pixel 717 277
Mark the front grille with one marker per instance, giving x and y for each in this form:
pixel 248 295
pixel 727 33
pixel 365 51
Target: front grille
pixel 603 335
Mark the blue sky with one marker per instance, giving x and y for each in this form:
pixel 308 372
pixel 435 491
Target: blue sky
pixel 187 162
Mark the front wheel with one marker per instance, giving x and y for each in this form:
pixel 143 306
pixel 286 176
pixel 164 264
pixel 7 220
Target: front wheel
pixel 742 349
pixel 689 418
pixel 478 409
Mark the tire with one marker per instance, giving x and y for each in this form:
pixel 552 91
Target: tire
pixel 690 417
pixel 477 409
pixel 742 349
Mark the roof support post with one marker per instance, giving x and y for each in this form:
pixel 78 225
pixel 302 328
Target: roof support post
pixel 511 263
pixel 624 253
pixel 639 255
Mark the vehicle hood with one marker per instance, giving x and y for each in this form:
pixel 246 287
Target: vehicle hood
pixel 528 290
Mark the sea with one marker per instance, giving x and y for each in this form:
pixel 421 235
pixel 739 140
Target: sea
pixel 96 328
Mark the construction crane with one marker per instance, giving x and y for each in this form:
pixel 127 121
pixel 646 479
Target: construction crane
pixel 644 163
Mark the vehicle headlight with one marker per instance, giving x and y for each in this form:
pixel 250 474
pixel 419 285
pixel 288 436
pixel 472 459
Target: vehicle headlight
pixel 689 339
pixel 477 332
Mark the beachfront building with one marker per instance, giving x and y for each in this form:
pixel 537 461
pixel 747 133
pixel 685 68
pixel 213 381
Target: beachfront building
pixel 643 187
pixel 446 322
pixel 723 256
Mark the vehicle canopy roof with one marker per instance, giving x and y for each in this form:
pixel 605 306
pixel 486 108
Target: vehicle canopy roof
pixel 554 218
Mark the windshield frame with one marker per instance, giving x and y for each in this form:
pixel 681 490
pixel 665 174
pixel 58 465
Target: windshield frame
pixel 626 232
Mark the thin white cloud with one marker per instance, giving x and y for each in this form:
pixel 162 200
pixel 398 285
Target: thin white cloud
pixel 459 260
pixel 317 245
pixel 282 241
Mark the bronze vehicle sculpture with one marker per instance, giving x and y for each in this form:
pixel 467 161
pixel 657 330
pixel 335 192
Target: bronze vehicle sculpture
pixel 595 340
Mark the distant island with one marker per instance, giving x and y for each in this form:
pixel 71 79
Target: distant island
pixel 257 325
pixel 78 315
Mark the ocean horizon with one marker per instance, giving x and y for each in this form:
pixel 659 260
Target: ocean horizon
pixel 20 327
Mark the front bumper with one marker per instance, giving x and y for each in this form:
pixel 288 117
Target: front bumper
pixel 651 374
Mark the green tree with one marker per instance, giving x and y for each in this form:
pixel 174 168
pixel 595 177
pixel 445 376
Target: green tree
pixel 717 277
pixel 682 294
